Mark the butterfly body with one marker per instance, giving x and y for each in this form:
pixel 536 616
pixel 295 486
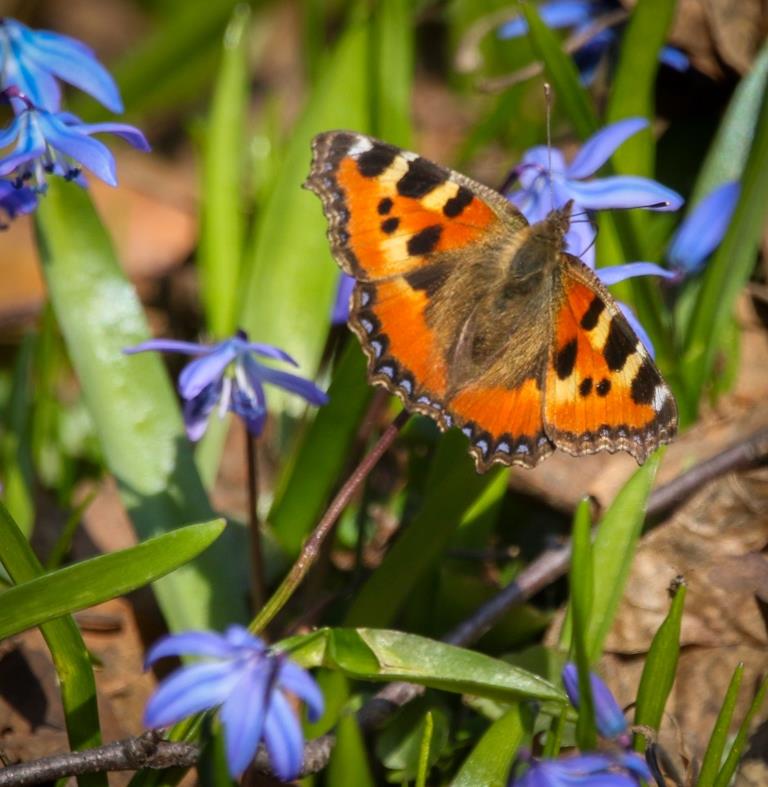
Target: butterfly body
pixel 477 318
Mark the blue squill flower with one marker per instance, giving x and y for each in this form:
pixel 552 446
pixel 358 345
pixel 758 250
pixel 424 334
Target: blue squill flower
pixel 15 200
pixel 586 770
pixel 583 17
pixel 34 61
pixel 228 375
pixel 609 717
pixel 340 311
pixel 703 229
pixel 247 682
pixel 58 143
pixel 547 182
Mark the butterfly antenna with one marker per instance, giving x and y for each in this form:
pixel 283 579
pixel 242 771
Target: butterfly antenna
pixel 548 102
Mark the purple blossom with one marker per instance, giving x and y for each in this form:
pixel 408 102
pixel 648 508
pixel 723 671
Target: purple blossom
pixel 703 229
pixel 340 311
pixel 586 770
pixel 34 60
pixel 228 375
pixel 15 200
pixel 59 143
pixel 247 682
pixel 582 16
pixel 609 717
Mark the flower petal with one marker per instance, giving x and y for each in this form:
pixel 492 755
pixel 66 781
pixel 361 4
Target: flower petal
pixel 636 764
pixel 190 690
pixel 608 715
pixel 555 14
pixel 703 229
pixel 30 145
pixel 91 153
pixel 203 371
pixel 613 274
pixel 282 735
pixel 124 130
pixel 198 409
pixel 637 327
pixel 601 146
pixel 192 643
pixel 243 715
pixel 671 56
pixel 167 346
pixel 269 351
pixel 73 62
pixel 299 682
pixel 623 191
pixel 238 637
pixel 293 383
pixel 340 311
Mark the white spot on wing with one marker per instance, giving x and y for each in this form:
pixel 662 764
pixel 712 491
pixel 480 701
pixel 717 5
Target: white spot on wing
pixel 660 395
pixel 361 146
pixel 377 348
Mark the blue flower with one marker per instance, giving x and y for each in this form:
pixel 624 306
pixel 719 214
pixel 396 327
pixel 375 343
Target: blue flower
pixel 15 200
pixel 58 143
pixel 547 182
pixel 584 17
pixel 340 311
pixel 587 770
pixel 609 717
pixel 703 229
pixel 247 682
pixel 33 61
pixel 227 374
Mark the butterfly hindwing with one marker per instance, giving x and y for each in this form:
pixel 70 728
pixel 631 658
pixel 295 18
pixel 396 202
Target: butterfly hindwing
pixel 603 390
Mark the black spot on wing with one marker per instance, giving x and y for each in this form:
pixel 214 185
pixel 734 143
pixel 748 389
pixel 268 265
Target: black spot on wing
pixel 603 388
pixel 644 384
pixel 424 241
pixel 390 225
pixel 376 160
pixel 384 206
pixel 618 346
pixel 455 205
pixel 422 176
pixel 592 314
pixel 585 386
pixel 565 358
pixel 429 278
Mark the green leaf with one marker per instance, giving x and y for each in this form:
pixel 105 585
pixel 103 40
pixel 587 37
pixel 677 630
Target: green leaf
pixel 729 269
pixel 613 550
pixel 452 489
pixel 659 670
pixel 73 666
pixel 713 756
pixel 734 755
pixel 222 225
pixel 492 757
pixel 92 581
pixel 582 586
pixel 381 654
pixel 424 751
pixel 562 73
pixel 324 450
pixel 634 81
pixel 291 280
pixel 349 756
pixel 133 406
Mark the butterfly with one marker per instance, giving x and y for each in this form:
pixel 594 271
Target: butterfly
pixel 478 319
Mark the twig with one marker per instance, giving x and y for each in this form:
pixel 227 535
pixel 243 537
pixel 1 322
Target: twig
pixel 147 751
pixel 311 548
pixel 130 754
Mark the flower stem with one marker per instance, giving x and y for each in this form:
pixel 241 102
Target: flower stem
pixel 311 548
pixel 258 585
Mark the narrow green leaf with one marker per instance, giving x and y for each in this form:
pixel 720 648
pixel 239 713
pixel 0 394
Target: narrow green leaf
pixel 452 489
pixel 613 550
pixel 291 279
pixel 426 742
pixel 223 213
pixel 490 760
pixel 634 82
pixel 562 73
pixel 92 581
pixel 133 406
pixel 710 765
pixel 659 670
pixel 582 585
pixel 734 755
pixel 349 756
pixel 382 654
pixel 308 479
pixel 729 269
pixel 73 666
